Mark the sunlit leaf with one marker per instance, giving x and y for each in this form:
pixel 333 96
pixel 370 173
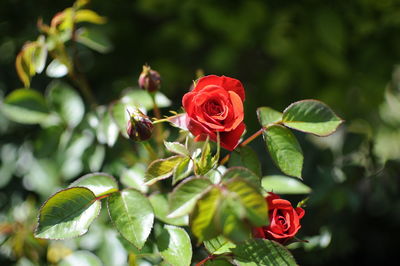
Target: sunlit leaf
pixel 56 69
pixel 243 173
pixel 175 246
pixel 140 98
pixel 67 214
pixel 66 102
pixel 284 185
pixel 99 183
pixel 251 199
pixel 182 170
pixel 311 116
pixel 219 245
pixel 132 215
pixel 86 15
pixel 176 147
pixel 161 169
pixel 120 116
pixel 81 258
pixel 284 150
pixel 40 55
pixel 94 39
pixel 107 131
pixel 267 115
pixel 185 195
pixel 161 207
pixel 25 106
pixel 256 252
pixel 202 219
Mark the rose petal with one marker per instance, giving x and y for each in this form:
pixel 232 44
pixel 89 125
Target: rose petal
pixel 229 140
pixel 234 85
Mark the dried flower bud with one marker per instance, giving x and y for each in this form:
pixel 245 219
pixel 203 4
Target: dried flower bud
pixel 149 79
pixel 139 126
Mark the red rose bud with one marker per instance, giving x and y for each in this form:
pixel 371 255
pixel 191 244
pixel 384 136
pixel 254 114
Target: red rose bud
pixel 284 220
pixel 139 126
pixel 215 106
pixel 149 79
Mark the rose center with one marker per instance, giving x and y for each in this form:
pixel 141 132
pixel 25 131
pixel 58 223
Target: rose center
pixel 281 221
pixel 213 108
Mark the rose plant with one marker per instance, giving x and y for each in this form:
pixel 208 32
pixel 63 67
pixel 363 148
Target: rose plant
pixel 186 194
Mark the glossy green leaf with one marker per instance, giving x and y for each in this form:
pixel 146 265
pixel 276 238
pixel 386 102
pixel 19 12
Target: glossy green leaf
pixel 140 98
pixel 66 102
pixel 94 39
pixel 162 169
pixel 25 106
pixel 107 130
pixel 120 116
pixel 161 208
pixel 202 219
pixel 182 170
pixel 81 258
pixel 250 159
pixel 219 245
pixel 257 252
pixel 267 116
pixel 251 199
pixel 67 214
pixel 284 149
pixel 39 56
pixel 284 185
pixel 219 261
pixel 132 215
pixel 185 195
pixel 311 116
pixel 134 178
pixel 99 183
pixel 87 15
pixel 229 221
pixel 176 147
pixel 175 246
pixel 243 173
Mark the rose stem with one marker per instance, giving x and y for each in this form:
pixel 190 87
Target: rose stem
pixel 244 143
pixel 150 150
pixel 157 114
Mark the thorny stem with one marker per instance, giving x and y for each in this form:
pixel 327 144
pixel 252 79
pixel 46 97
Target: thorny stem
pixel 244 143
pixel 210 257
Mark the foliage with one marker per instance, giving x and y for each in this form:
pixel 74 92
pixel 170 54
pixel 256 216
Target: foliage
pixel 51 136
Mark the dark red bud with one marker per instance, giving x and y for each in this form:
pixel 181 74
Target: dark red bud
pixel 149 79
pixel 139 126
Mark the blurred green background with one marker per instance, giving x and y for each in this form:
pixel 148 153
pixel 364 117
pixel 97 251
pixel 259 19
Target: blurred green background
pixel 343 53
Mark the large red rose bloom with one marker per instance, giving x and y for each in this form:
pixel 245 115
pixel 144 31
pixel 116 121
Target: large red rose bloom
pixel 216 105
pixel 284 220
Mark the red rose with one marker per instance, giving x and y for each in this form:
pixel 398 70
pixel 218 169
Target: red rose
pixel 284 220
pixel 216 105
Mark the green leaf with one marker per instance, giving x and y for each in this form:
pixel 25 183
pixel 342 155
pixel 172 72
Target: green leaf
pixel 81 258
pixel 243 173
pixel 176 147
pixel 66 102
pixel 94 39
pixel 267 116
pixel 25 106
pixel 56 69
pixel 284 185
pixel 132 215
pixel 162 169
pixel 134 178
pixel 230 223
pixel 99 183
pixel 311 116
pixel 219 245
pixel 120 116
pixel 257 252
pixel 250 160
pixel 182 170
pixel 39 55
pixel 175 246
pixel 141 98
pixel 161 207
pixel 202 219
pixel 284 150
pixel 251 199
pixel 107 130
pixel 67 214
pixel 219 261
pixel 184 197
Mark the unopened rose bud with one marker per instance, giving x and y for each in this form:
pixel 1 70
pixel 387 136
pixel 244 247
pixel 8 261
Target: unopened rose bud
pixel 139 126
pixel 149 79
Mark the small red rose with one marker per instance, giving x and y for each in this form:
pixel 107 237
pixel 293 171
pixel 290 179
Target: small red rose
pixel 216 105
pixel 284 220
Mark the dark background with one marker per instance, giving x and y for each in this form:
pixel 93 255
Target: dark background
pixel 343 53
